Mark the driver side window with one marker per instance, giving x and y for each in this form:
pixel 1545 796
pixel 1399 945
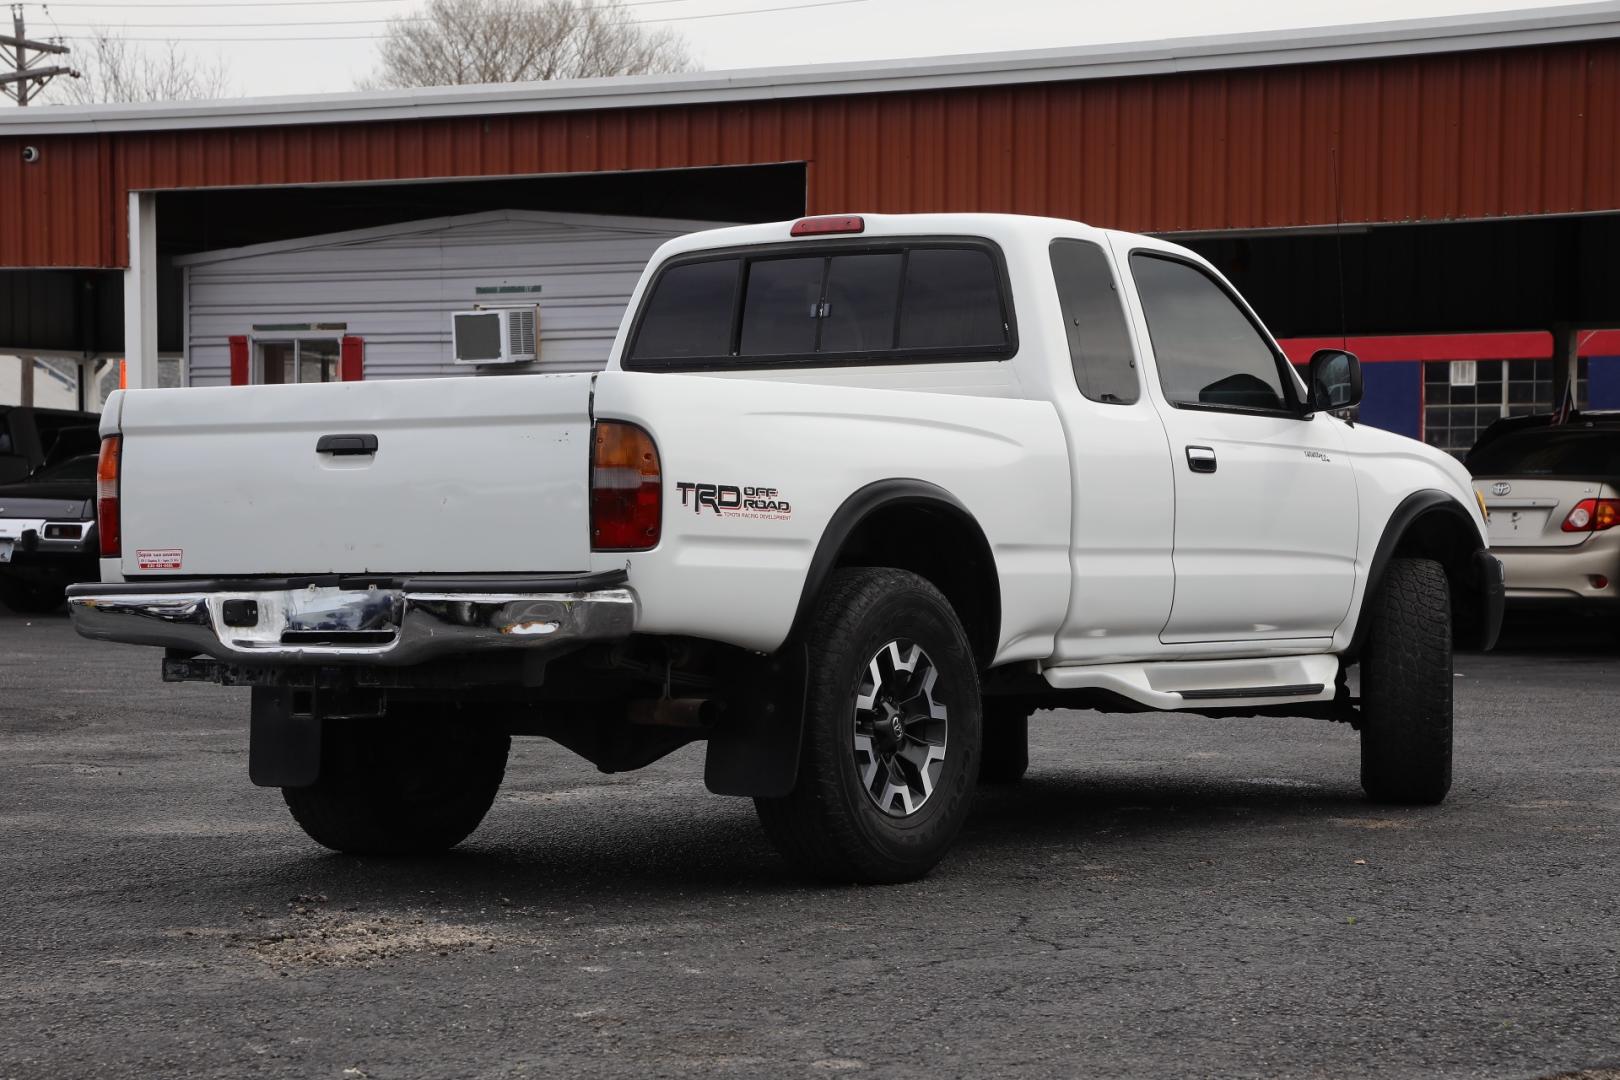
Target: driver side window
pixel 1208 352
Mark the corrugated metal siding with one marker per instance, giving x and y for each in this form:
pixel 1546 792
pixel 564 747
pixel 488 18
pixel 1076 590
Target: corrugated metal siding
pixel 398 292
pixel 1423 138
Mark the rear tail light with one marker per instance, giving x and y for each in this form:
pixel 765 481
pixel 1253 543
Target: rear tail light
pixel 828 226
pixel 107 522
pixel 626 488
pixel 1593 515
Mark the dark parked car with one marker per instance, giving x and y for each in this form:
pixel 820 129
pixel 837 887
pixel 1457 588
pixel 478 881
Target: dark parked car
pixel 1553 492
pixel 47 505
pixel 31 437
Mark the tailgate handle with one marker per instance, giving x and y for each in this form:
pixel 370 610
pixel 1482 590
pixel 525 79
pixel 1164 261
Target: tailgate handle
pixel 339 445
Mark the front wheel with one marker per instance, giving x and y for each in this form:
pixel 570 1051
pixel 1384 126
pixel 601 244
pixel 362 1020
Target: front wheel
pixel 891 733
pixel 400 786
pixel 1406 687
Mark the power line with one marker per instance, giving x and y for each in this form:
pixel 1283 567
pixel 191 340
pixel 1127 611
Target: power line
pixel 752 11
pixel 275 3
pixel 245 40
pixel 285 25
pixel 379 37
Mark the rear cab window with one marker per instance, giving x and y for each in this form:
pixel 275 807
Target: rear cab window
pixel 1555 451
pixel 828 303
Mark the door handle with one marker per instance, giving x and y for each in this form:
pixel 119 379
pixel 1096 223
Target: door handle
pixel 1201 459
pixel 340 445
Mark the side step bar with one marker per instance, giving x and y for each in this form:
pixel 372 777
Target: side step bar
pixel 1173 685
pixel 1302 691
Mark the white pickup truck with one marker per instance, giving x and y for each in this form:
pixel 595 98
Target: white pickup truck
pixel 853 497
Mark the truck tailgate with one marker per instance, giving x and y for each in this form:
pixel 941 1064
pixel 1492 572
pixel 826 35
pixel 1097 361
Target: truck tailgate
pixel 469 475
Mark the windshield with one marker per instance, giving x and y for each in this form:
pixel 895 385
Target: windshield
pixel 1550 452
pixel 77 468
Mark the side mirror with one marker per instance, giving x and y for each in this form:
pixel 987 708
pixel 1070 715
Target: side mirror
pixel 1335 380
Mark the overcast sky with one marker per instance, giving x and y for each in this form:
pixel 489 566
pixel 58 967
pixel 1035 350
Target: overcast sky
pixel 335 46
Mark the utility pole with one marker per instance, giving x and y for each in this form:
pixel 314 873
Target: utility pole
pixel 26 80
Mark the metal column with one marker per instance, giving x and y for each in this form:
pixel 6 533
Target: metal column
pixel 140 293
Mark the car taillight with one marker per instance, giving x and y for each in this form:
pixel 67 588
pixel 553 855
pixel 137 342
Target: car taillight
pixel 1593 515
pixel 828 226
pixel 107 522
pixel 627 490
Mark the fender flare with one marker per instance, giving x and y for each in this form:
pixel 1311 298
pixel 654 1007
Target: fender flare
pixel 756 751
pixel 1411 508
pixel 882 495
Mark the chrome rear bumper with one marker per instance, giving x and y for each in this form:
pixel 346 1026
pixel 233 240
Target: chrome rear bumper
pixel 335 625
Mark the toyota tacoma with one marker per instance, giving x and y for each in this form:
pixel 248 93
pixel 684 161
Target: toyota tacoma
pixel 853 496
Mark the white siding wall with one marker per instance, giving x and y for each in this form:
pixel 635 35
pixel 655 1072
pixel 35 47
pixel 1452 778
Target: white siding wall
pixel 397 291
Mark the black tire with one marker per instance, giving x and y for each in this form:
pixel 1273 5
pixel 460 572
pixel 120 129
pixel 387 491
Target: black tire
pixel 27 598
pixel 1006 743
pixel 831 826
pixel 400 786
pixel 1406 687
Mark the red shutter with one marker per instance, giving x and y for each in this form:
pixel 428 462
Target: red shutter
pixel 353 363
pixel 241 369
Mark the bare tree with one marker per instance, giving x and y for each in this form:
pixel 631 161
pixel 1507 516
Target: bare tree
pixel 115 69
pixel 453 42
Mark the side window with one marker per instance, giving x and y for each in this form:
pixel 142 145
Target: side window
pixel 1093 318
pixel 1208 352
pixel 688 313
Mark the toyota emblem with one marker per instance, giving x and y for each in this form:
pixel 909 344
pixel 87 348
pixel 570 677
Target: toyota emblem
pixel 1501 487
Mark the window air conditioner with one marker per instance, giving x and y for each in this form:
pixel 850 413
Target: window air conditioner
pixel 496 335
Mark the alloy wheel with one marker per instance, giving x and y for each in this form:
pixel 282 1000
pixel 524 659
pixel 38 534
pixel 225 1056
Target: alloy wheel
pixel 900 729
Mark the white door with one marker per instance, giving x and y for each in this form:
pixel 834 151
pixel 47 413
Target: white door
pixel 1124 493
pixel 1266 509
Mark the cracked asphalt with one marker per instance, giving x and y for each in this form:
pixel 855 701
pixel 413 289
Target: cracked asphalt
pixel 1163 896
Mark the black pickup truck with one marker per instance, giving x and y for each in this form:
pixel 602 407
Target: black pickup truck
pixel 47 505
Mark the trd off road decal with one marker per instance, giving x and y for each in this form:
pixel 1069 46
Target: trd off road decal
pixel 730 500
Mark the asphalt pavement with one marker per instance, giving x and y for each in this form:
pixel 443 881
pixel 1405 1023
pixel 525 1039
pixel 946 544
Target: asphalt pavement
pixel 1164 896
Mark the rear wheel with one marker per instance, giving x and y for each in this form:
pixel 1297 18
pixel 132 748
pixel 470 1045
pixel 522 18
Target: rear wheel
pixel 1406 687
pixel 891 733
pixel 400 787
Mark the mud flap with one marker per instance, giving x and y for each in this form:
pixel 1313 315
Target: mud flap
pixel 755 750
pixel 284 743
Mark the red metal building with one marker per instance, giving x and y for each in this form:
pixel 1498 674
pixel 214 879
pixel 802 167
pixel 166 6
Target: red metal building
pixel 1439 175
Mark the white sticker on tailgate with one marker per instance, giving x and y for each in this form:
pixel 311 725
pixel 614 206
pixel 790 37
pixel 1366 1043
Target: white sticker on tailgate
pixel 159 558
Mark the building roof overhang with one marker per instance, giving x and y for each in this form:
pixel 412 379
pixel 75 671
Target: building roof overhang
pixel 1410 37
